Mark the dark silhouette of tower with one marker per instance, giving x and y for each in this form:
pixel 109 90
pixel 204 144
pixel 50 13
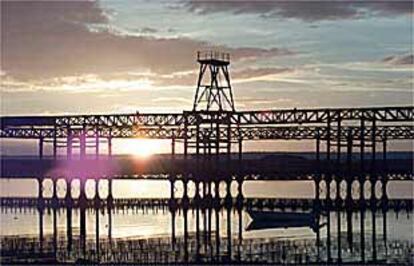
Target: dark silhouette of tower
pixel 213 106
pixel 214 92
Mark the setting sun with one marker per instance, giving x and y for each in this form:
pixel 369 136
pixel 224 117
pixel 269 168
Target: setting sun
pixel 142 148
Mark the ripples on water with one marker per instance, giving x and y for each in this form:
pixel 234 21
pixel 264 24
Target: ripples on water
pixel 153 232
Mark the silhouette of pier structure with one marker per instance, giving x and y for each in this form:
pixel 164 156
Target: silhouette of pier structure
pixel 213 129
pixel 214 126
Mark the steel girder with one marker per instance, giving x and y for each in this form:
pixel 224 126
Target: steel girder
pixel 288 116
pixel 237 133
pixel 304 116
pixel 254 125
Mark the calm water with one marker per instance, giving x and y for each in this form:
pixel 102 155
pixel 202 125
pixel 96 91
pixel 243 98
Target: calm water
pixel 158 234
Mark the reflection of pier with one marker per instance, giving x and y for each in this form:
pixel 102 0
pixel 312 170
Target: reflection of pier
pixel 210 242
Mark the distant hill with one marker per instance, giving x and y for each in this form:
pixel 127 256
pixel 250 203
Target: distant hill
pixel 284 158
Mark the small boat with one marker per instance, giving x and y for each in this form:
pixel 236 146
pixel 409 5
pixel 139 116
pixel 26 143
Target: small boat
pixel 272 220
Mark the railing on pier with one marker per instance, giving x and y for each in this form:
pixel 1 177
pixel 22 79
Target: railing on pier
pixel 213 55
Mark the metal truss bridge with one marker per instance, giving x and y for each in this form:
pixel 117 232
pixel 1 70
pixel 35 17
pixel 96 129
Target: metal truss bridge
pixel 214 125
pixel 225 128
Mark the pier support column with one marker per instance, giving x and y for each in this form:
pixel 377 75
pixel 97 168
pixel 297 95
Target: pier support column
pixel 349 230
pixel 228 200
pixel 362 240
pixel 82 230
pixel 97 143
pixel 185 147
pixel 197 203
pixel 338 162
pixel 328 237
pixel 229 235
pixel 97 197
pixel 185 215
pixel 173 207
pixel 40 208
pixel 54 192
pixel 82 140
pixel 339 236
pixel 55 232
pixel 198 133
pixel 217 212
pixel 361 190
pixel 68 195
pixel 41 235
pixel 82 188
pixel 338 142
pixel 110 146
pixel 97 238
pixel 317 206
pixel 69 228
pixel 69 204
pixel 41 141
pixel 374 234
pixel 362 144
pixel 374 146
pixel 228 138
pixel 69 142
pixel 328 179
pixel 110 195
pixel 40 188
pixel 373 173
pixel 327 172
pixel 240 150
pixel 328 139
pixel 55 144
pixel 209 209
pixel 239 204
pixel 384 229
pixel 109 205
pixel 350 178
pixel 82 213
pixel 318 177
pixel 173 147
pixel 240 197
pixel 186 135
pixel 385 171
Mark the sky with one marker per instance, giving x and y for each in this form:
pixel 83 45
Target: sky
pixel 69 57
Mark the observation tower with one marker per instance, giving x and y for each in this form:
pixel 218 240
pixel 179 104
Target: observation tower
pixel 213 106
pixel 214 92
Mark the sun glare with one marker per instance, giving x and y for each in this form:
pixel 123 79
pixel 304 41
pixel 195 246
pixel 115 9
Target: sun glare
pixel 142 148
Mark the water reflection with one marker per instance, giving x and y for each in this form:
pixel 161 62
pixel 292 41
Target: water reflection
pixel 207 229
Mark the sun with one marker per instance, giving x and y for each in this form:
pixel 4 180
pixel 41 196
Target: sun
pixel 142 148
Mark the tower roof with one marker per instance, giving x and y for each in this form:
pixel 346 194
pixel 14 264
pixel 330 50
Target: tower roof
pixel 213 58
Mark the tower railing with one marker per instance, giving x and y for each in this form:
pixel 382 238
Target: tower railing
pixel 213 55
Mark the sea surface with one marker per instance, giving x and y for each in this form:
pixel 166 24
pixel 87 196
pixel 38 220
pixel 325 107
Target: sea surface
pixel 278 222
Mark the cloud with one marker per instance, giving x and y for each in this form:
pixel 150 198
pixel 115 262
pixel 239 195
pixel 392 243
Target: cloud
pixel 237 76
pixel 177 100
pixel 249 73
pixel 148 30
pixel 54 39
pixel 399 60
pixel 304 10
pixel 131 81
